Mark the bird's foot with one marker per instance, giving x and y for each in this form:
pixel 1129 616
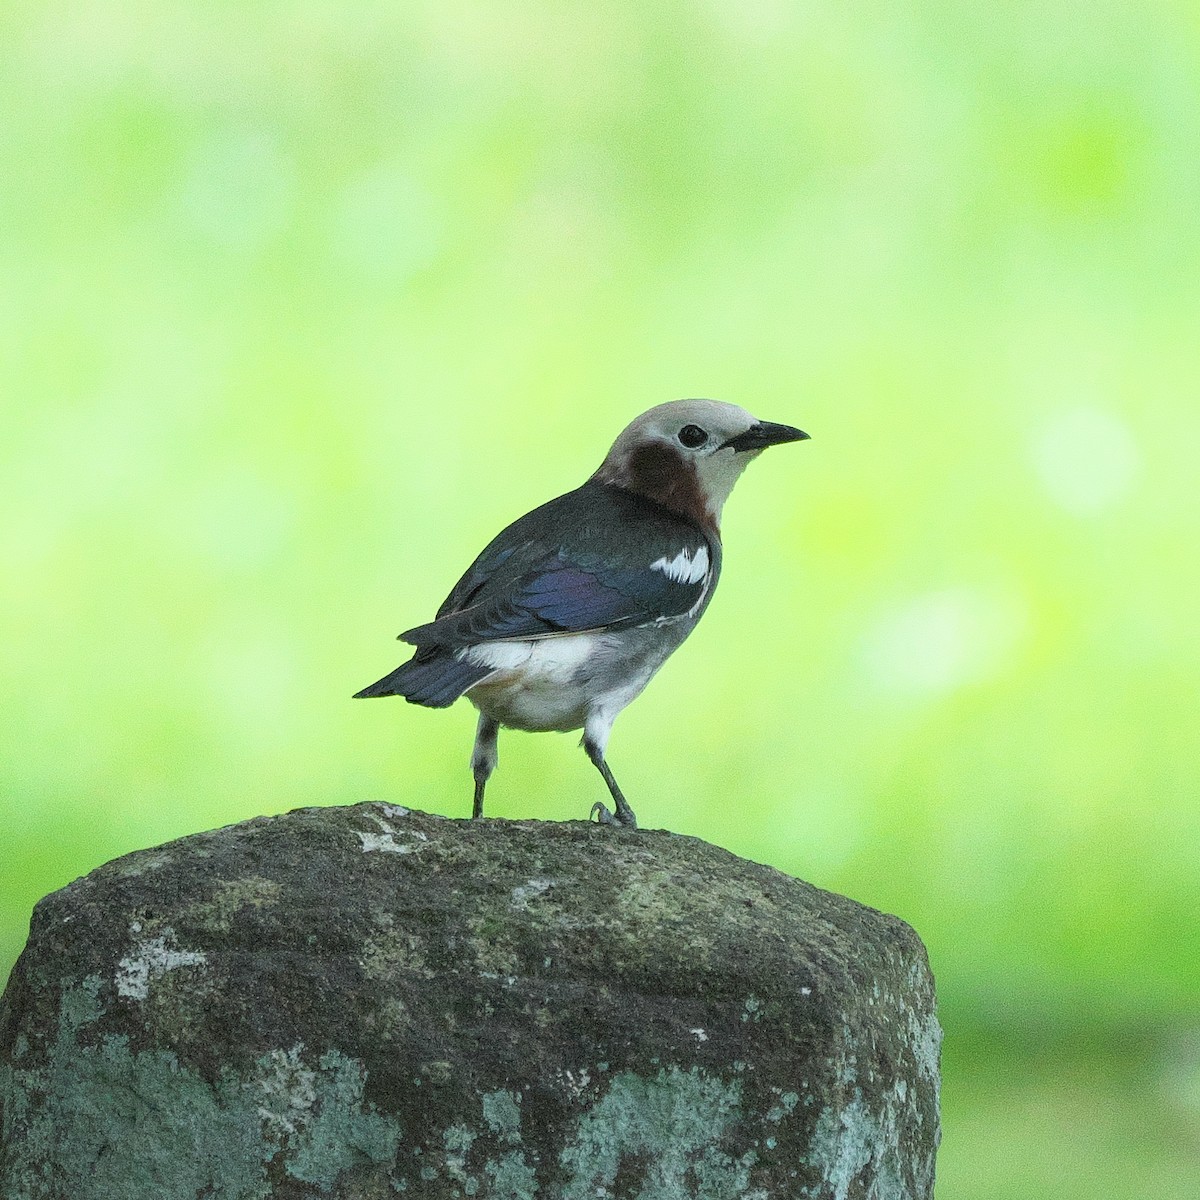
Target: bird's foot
pixel 605 817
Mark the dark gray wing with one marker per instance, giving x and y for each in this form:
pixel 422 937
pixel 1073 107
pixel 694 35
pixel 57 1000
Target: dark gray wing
pixel 596 558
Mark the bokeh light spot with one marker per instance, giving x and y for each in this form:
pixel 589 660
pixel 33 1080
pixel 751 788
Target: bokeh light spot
pixel 1086 459
pixel 942 640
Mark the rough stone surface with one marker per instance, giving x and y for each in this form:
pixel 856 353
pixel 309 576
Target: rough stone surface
pixel 371 1002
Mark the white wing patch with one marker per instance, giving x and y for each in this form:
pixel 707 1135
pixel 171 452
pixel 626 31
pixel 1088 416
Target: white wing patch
pixel 683 568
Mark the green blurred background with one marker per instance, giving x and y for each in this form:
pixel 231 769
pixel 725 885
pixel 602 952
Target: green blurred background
pixel 299 302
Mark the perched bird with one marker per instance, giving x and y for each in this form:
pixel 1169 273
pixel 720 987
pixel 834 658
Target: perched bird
pixel 568 613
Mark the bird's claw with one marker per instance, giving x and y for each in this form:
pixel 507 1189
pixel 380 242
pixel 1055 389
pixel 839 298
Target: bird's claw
pixel 605 817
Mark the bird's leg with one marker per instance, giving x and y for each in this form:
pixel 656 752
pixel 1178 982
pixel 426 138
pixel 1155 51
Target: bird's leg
pixel 624 814
pixel 483 758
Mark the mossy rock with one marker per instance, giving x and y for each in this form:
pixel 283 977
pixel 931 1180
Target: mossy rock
pixel 370 1001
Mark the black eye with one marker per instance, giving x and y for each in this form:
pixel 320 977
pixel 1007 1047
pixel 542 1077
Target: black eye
pixel 692 436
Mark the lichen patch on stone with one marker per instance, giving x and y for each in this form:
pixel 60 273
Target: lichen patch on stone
pixel 673 1122
pixel 152 957
pixel 385 842
pixel 502 1115
pixel 230 896
pixel 523 893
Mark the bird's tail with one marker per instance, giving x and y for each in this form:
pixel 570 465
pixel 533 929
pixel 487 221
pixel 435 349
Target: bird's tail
pixel 435 681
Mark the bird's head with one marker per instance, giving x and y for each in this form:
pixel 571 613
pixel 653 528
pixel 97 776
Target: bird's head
pixel 688 454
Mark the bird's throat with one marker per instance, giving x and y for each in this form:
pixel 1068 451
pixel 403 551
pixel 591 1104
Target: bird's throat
pixel 661 474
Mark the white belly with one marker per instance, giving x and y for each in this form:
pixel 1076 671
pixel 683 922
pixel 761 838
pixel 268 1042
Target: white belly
pixel 548 684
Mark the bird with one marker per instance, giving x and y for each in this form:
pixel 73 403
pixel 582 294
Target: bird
pixel 565 616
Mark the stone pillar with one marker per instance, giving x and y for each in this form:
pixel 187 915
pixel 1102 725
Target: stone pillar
pixel 372 1002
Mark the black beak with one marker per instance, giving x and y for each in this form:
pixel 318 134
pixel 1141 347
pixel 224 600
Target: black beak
pixel 764 434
